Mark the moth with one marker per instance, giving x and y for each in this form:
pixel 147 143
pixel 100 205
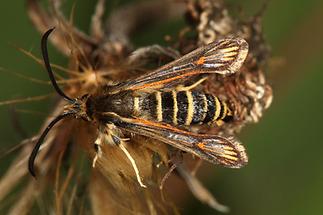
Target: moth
pixel 162 105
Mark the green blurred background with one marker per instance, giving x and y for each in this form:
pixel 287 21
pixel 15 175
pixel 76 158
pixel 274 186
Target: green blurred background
pixel 285 173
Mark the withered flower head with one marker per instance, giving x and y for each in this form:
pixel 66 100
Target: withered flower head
pixel 114 156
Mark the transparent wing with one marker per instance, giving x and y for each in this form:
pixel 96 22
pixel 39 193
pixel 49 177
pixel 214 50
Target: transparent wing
pixel 227 152
pixel 224 57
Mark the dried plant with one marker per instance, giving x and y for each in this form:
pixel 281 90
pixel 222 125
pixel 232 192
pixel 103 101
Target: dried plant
pixel 107 55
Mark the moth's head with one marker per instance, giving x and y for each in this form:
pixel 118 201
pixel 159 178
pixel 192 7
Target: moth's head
pixel 76 107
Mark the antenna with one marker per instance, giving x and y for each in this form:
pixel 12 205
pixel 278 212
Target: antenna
pixel 48 66
pixel 34 153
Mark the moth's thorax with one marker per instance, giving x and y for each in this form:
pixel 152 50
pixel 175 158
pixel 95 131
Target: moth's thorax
pixel 98 105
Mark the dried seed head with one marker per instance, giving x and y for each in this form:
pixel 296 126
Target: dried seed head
pixel 101 58
pixel 248 91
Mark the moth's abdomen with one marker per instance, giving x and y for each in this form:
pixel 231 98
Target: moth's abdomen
pixel 181 108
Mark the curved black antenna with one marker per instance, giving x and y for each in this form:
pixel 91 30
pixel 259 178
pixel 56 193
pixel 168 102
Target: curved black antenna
pixel 34 153
pixel 48 67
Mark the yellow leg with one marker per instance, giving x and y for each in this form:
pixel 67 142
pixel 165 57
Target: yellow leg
pixel 98 153
pixel 133 163
pixel 219 122
pixel 186 88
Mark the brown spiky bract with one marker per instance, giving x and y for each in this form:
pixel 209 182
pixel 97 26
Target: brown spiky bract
pixel 65 160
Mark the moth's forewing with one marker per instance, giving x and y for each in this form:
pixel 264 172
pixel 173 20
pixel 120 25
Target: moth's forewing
pixel 227 152
pixel 224 57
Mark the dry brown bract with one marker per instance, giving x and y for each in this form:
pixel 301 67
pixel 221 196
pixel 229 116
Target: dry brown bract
pixel 105 56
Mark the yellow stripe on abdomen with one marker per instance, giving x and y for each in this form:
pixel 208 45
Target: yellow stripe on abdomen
pixel 217 106
pixel 190 108
pixel 159 111
pixel 175 108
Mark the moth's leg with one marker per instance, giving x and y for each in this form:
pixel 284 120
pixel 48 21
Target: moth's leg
pixel 185 88
pixel 219 122
pixel 111 134
pixel 133 163
pixel 97 146
pixel 175 160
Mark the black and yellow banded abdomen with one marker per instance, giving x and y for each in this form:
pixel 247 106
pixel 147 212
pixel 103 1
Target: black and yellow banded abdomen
pixel 181 108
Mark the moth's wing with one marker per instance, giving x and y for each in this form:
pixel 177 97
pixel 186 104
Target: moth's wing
pixel 224 57
pixel 226 152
